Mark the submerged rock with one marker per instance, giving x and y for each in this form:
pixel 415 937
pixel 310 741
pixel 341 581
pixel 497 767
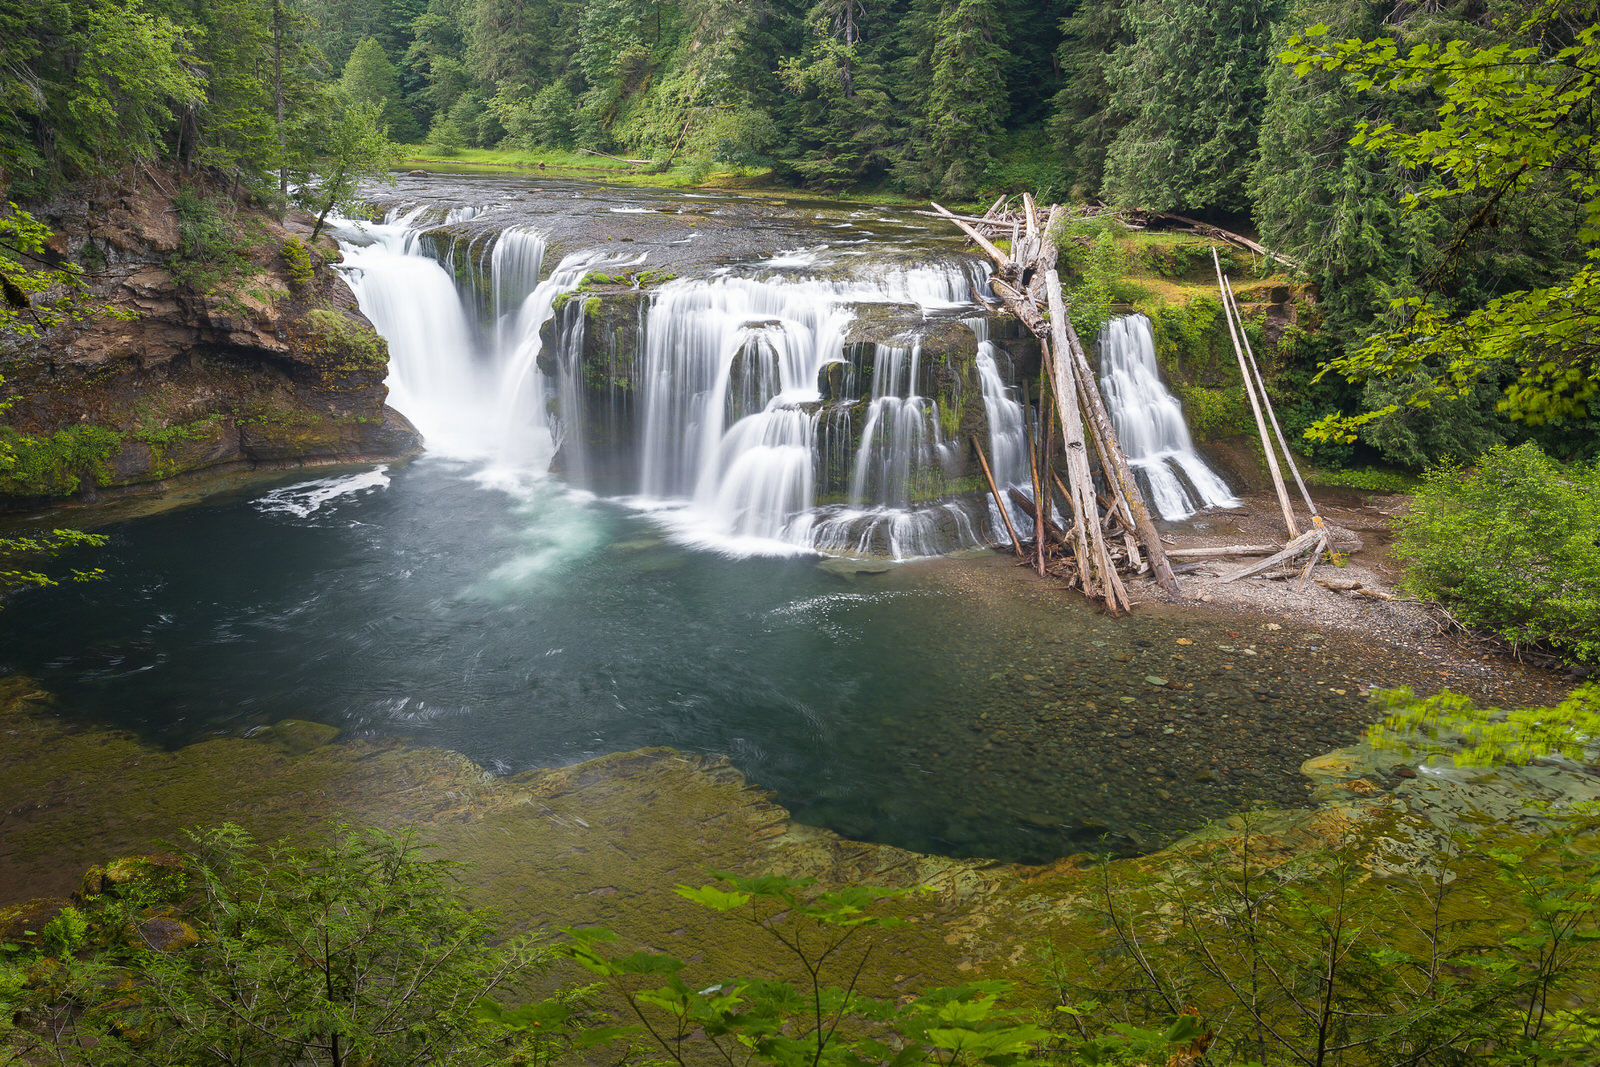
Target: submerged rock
pixel 296 736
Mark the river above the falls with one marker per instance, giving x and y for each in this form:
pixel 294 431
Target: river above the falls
pixel 951 706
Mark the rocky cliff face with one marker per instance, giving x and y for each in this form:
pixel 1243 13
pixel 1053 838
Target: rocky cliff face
pixel 241 347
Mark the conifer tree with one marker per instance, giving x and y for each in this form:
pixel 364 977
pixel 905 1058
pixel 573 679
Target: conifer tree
pixel 967 96
pixel 370 78
pixel 1189 82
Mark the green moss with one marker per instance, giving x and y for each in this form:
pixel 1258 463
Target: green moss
pixel 163 441
pixel 57 465
pixel 591 308
pixel 350 345
pixel 646 278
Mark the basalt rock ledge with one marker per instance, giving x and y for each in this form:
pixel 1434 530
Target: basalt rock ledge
pixel 254 357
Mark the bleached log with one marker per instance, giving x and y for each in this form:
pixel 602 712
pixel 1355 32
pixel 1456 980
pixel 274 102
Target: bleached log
pixel 1000 258
pixel 1224 550
pixel 1290 551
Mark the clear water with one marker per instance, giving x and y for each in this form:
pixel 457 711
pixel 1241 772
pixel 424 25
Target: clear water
pixel 951 706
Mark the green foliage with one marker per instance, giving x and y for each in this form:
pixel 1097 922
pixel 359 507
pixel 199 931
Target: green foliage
pixel 1186 90
pixel 543 119
pixel 88 85
pixel 297 259
pixel 1484 956
pixel 213 249
pixel 57 465
pixel 16 553
pixel 357 150
pixel 1450 724
pixel 353 951
pixel 369 78
pixel 38 293
pixel 1097 267
pixel 1511 546
pixel 1373 479
pixel 1215 413
pixel 823 936
pixel 1512 125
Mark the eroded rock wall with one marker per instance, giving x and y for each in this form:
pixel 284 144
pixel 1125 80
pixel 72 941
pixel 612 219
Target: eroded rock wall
pixel 261 359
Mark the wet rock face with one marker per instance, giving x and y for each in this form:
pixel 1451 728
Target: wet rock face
pixel 592 347
pixel 264 362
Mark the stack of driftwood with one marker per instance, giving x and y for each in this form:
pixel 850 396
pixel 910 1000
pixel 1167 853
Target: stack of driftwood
pixel 1108 530
pixel 1106 533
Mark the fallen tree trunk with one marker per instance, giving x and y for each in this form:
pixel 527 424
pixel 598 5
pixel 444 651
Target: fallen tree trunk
pixel 1290 551
pixel 1224 550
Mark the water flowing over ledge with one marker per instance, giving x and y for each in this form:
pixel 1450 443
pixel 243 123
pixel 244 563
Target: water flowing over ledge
pixel 814 400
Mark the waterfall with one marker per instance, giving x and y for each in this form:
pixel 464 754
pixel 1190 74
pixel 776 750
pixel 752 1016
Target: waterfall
pixel 737 429
pixel 435 377
pixel 1150 425
pixel 764 415
pixel 1008 457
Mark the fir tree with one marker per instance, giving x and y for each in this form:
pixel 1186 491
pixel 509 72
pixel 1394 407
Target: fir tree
pixel 370 78
pixel 1189 82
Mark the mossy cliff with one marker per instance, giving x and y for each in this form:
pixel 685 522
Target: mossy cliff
pixel 233 344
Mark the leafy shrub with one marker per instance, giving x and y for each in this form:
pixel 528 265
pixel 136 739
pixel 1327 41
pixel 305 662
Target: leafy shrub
pixel 1476 957
pixel 298 260
pixel 1097 266
pixel 1214 413
pixel 353 952
pixel 1511 546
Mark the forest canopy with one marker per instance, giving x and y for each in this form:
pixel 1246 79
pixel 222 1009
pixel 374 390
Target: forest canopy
pixel 1455 289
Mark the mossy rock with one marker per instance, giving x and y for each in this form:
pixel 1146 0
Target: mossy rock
pixel 161 931
pixel 296 736
pixel 156 875
pixel 26 920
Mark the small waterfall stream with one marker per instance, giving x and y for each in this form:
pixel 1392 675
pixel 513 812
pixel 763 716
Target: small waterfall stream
pixel 1150 425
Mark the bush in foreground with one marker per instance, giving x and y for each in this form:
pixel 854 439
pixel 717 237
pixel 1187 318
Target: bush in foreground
pixel 1511 546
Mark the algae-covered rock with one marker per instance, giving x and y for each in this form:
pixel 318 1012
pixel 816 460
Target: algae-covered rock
pixel 296 736
pixel 155 876
pixel 27 919
pixel 162 931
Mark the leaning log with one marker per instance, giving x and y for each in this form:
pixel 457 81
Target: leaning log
pixel 1311 539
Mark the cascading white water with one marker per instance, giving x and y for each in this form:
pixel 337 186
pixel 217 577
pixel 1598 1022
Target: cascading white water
pixel 435 378
pixel 731 407
pixel 1150 425
pixel 1008 457
pixel 729 400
